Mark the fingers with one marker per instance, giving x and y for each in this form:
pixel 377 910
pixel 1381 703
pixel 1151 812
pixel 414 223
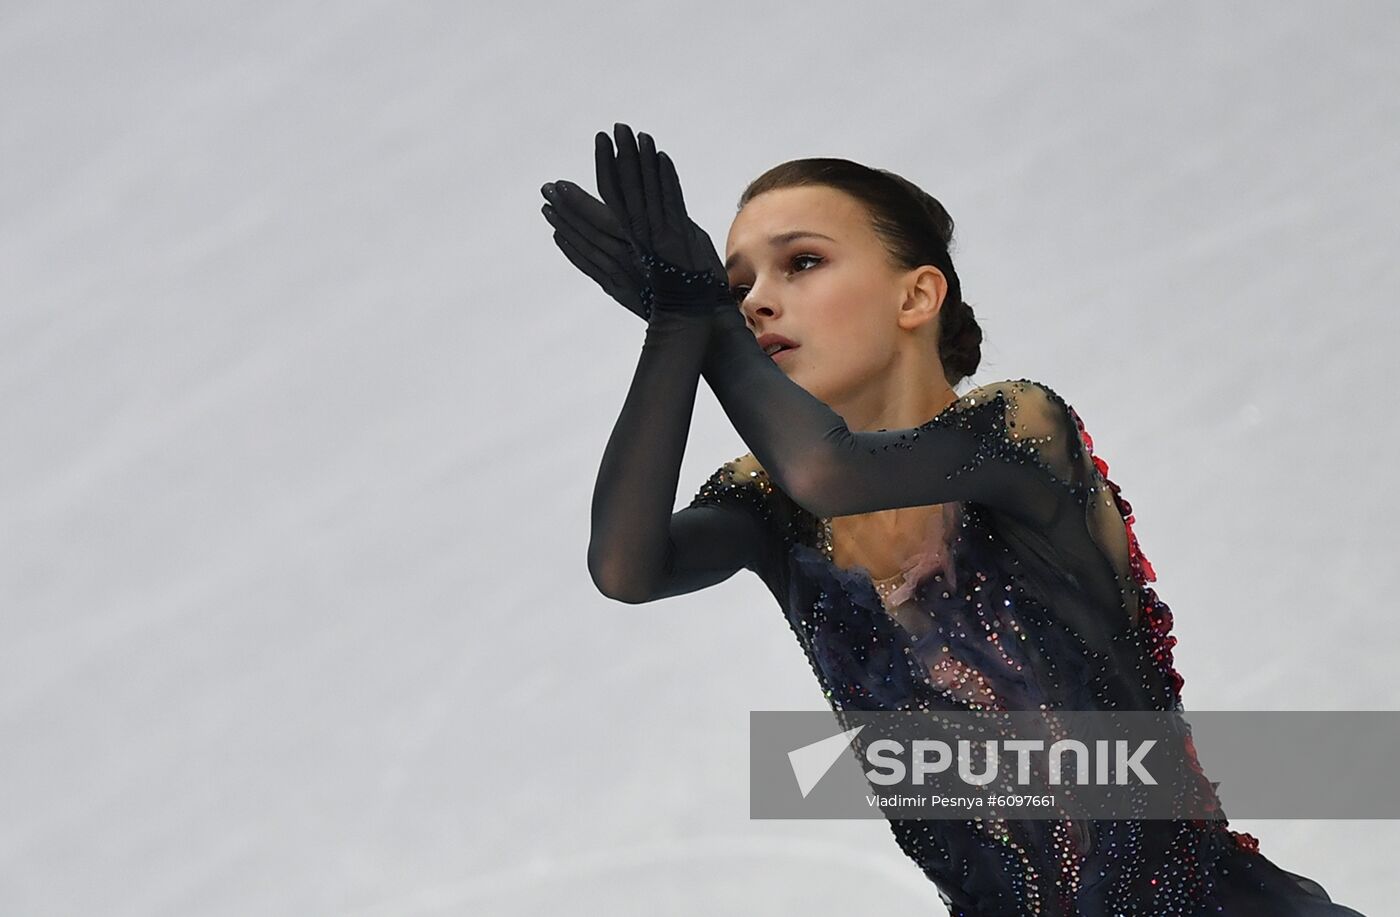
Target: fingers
pixel 672 200
pixel 581 205
pixel 676 215
pixel 651 183
pixel 578 260
pixel 609 182
pixel 601 254
pixel 598 262
pixel 629 173
pixel 619 287
pixel 589 217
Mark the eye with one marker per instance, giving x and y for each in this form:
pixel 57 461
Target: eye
pixel 795 260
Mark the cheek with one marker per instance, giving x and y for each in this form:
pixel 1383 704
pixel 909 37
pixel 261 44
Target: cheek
pixel 847 332
pixel 847 352
pixel 857 336
pixel 838 317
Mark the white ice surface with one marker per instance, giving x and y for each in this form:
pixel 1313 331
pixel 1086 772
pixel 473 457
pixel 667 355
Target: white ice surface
pixel 301 410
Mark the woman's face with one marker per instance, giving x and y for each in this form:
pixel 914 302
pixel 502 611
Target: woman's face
pixel 837 294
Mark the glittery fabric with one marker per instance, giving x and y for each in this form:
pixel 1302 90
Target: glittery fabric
pixel 1041 602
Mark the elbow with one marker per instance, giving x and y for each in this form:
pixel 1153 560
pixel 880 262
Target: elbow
pixel 623 592
pixel 615 581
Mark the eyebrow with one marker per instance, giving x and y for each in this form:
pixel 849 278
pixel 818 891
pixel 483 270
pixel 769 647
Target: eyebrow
pixel 781 239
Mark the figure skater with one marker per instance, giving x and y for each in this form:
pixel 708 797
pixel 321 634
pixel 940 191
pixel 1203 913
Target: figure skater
pixel 930 551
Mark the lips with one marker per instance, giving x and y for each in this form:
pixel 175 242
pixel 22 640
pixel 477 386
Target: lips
pixel 773 344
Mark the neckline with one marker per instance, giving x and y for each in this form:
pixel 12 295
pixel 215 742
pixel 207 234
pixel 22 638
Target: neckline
pixel 881 587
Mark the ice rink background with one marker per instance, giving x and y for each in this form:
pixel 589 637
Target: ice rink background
pixel 301 411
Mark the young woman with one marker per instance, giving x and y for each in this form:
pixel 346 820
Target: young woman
pixel 930 551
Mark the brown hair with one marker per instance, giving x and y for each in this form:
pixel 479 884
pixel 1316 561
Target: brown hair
pixel 916 230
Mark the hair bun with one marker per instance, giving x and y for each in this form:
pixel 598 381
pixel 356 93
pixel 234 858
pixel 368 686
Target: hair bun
pixel 960 341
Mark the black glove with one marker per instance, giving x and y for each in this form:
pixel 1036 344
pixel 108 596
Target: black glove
pixel 594 242
pixel 677 260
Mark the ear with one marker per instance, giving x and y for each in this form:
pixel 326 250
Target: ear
pixel 925 289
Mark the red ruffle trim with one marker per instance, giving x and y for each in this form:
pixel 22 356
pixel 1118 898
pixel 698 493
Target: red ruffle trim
pixel 1157 615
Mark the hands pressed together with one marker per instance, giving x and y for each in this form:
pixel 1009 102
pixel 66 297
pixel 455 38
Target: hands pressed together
pixel 638 243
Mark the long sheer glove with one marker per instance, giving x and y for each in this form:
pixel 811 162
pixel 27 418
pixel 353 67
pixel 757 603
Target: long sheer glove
pixel 630 551
pixel 675 257
pixel 702 545
pixel 633 554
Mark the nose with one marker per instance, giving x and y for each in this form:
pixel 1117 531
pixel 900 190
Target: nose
pixel 754 308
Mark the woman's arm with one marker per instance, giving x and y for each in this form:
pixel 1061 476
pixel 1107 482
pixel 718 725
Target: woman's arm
pixel 639 551
pixel 1008 445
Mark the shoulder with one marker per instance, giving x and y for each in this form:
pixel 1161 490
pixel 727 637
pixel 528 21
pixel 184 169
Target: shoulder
pixel 743 470
pixel 1017 392
pixel 742 483
pixel 1036 416
pixel 740 479
pixel 1029 404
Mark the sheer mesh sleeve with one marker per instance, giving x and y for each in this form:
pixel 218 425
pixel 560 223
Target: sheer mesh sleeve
pixel 709 542
pixel 1079 552
pixel 740 489
pixel 1005 445
pixel 640 550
